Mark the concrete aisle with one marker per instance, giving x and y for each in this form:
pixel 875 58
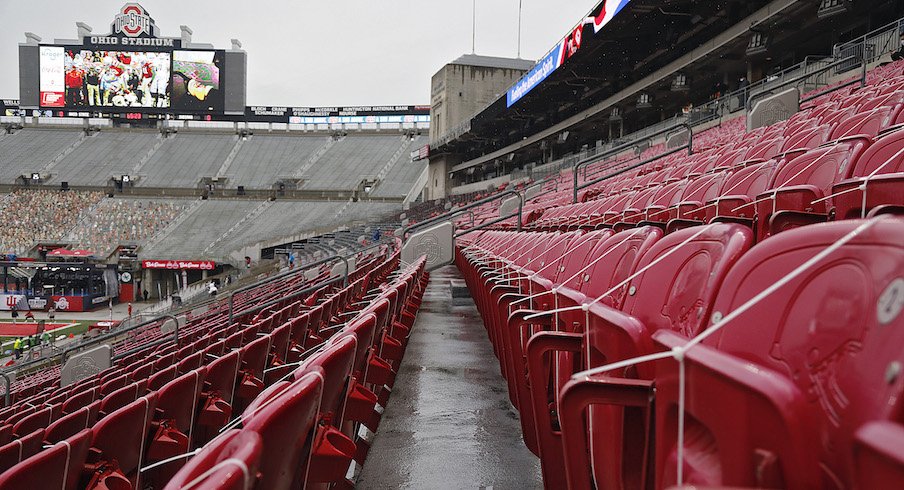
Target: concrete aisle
pixel 449 423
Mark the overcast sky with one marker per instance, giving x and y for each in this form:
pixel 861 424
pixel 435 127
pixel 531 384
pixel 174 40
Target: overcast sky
pixel 317 53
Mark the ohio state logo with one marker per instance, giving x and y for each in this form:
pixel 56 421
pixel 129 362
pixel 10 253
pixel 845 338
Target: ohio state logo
pixel 132 21
pixel 62 304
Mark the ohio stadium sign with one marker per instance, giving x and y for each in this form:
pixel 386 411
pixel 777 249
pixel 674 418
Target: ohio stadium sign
pixel 132 26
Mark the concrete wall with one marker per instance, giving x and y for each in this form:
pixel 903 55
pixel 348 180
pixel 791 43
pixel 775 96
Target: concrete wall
pixel 438 183
pixel 460 91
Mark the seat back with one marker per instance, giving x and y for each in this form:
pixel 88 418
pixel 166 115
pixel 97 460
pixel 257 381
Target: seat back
pixel 684 270
pixel 820 167
pixel 741 187
pixel 177 401
pixel 808 138
pixel 121 436
pixel 575 258
pixel 621 251
pixel 73 423
pixel 363 329
pixel 697 193
pixel 337 361
pixel 37 420
pixel 122 397
pixel 285 425
pixel 879 157
pixel 229 462
pixel 868 123
pixel 810 362
pixel 162 377
pixel 59 466
pixel 24 447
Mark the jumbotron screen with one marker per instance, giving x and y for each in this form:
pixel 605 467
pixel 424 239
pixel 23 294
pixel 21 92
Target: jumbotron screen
pixel 180 80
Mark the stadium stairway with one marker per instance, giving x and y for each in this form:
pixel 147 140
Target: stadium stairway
pixel 449 423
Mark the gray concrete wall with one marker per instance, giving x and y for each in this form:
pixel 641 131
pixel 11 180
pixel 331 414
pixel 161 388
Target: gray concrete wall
pixel 460 91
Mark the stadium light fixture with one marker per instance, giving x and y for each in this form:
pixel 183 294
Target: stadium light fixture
pixel 829 8
pixel 680 83
pixel 758 44
pixel 644 101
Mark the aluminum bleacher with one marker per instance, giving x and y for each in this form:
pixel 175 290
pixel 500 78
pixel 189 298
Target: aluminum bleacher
pixel 262 159
pixel 31 150
pixel 183 159
pixel 353 159
pixel 217 227
pixel 104 155
pixel 402 176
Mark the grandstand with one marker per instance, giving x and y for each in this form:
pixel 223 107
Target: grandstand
pixel 670 255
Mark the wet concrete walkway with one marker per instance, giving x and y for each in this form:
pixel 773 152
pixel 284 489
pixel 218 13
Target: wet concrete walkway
pixel 449 423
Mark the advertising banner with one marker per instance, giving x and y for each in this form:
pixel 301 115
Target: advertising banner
pixel 567 47
pixel 200 265
pixel 52 77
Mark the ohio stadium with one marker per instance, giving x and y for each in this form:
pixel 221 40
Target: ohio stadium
pixel 668 253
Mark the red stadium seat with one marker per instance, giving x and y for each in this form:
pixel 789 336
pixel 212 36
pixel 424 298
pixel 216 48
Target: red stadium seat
pixel 174 421
pixel 118 445
pixel 59 466
pixel 229 462
pixel 799 184
pixel 807 363
pixel 685 272
pixel 285 423
pixel 869 123
pixel 73 423
pixel 22 448
pixel 881 170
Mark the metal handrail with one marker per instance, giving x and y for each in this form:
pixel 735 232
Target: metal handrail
pixel 109 335
pixel 632 167
pixel 8 386
pixel 615 151
pixel 294 272
pixel 803 77
pixel 309 289
pixel 455 212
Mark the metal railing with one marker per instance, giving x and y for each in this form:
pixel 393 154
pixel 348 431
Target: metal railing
pixel 462 210
pixel 872 45
pixel 800 78
pixel 689 146
pixel 121 332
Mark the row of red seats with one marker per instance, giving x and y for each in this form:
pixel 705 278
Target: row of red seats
pixel 800 389
pixel 845 113
pixel 189 401
pixel 185 356
pixel 794 188
pixel 47 378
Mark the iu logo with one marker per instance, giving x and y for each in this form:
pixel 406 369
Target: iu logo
pixel 11 301
pixel 132 21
